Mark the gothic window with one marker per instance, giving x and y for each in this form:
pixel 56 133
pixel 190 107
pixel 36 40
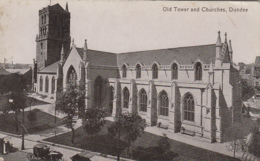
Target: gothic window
pixel 155 71
pixel 124 71
pixel 138 71
pixel 198 71
pixel 46 85
pixel 41 45
pixel 188 107
pixel 174 71
pixel 126 97
pixel 164 103
pixel 52 85
pixel 72 76
pixel 143 101
pixel 44 19
pixel 41 83
pixel 98 91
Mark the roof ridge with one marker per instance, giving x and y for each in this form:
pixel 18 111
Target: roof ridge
pixel 167 48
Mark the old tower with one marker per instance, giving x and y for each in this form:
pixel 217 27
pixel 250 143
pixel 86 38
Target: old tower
pixel 54 31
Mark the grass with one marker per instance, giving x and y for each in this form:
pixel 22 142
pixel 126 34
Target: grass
pixel 105 144
pixel 44 121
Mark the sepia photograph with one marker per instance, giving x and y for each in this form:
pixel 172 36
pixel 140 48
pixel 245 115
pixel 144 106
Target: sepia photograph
pixel 129 80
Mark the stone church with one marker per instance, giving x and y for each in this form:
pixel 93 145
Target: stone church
pixel 193 89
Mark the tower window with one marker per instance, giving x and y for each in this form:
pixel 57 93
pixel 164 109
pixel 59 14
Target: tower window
pixel 41 45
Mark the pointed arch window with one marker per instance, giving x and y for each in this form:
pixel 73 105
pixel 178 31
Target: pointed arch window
pixel 138 71
pixel 41 83
pixel 72 76
pixel 126 95
pixel 143 101
pixel 124 71
pixel 155 71
pixel 52 85
pixel 98 91
pixel 198 71
pixel 47 84
pixel 164 104
pixel 188 108
pixel 174 71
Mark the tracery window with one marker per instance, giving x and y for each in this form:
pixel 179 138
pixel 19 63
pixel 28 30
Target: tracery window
pixel 72 76
pixel 188 108
pixel 164 104
pixel 126 98
pixel 143 101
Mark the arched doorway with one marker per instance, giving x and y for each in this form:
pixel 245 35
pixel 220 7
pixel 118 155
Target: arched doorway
pixel 111 99
pixel 98 91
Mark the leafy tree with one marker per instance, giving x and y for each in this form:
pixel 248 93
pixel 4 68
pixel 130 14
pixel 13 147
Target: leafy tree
pixel 68 103
pixel 128 126
pixel 247 90
pixel 15 85
pixel 93 120
pixel 254 145
pixel 235 136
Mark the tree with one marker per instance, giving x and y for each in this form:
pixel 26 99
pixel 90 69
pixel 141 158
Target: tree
pixel 164 143
pixel 235 136
pixel 68 103
pixel 128 126
pixel 15 85
pixel 93 120
pixel 247 90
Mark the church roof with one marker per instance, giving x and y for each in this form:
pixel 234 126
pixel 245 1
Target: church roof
pixel 99 57
pixel 183 55
pixel 51 68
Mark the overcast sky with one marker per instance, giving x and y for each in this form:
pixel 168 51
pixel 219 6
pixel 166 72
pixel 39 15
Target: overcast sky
pixel 132 26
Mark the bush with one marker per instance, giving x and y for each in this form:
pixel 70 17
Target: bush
pixel 32 116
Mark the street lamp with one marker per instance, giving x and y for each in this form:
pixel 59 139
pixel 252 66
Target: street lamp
pixel 12 102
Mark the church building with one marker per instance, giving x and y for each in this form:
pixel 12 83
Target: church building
pixel 193 89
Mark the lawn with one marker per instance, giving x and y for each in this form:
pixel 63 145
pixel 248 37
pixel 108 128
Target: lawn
pixel 44 121
pixel 105 144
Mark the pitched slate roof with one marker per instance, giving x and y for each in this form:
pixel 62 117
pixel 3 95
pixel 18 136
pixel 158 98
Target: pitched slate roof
pixel 99 57
pixel 51 68
pixel 184 55
pixel 20 71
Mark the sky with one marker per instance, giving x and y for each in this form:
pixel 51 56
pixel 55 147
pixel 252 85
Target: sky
pixel 115 26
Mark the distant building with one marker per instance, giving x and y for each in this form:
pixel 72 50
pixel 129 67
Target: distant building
pixel 195 89
pixel 256 72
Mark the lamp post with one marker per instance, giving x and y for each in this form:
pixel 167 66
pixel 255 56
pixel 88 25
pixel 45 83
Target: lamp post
pixel 12 102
